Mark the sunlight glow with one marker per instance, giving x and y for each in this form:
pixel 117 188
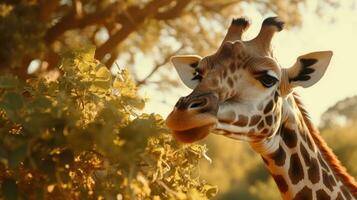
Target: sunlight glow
pixel 335 31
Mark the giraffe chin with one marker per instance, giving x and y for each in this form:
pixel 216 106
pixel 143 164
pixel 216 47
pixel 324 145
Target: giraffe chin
pixel 193 134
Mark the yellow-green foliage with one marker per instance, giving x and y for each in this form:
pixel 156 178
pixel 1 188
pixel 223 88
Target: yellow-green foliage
pixel 83 137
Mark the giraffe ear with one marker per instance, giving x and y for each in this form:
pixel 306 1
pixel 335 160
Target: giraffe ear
pixel 309 69
pixel 186 67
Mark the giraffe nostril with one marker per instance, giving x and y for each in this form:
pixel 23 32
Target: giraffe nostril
pixel 198 104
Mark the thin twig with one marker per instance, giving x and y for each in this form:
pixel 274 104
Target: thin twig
pixel 165 61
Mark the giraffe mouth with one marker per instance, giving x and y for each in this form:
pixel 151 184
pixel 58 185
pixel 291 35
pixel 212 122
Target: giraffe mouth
pixel 190 127
pixel 193 134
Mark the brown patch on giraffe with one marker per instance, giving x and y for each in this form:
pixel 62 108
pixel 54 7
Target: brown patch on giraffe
pixel 289 137
pixel 225 73
pixel 308 140
pixel 304 194
pixel 230 82
pixel 322 162
pixel 261 125
pixel 232 67
pixel 279 156
pixel 305 155
pixel 281 183
pixel 265 131
pixel 214 82
pixel 242 120
pixel 322 195
pixel 314 171
pixel 276 95
pixel 330 157
pixel 269 120
pixel 326 180
pixel 345 192
pixel 268 107
pixel 332 180
pixel 339 197
pixel 252 130
pixel 296 172
pixel 254 120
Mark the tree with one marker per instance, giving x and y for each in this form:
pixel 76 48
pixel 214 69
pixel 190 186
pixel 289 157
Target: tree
pixel 83 137
pixel 343 113
pixel 41 30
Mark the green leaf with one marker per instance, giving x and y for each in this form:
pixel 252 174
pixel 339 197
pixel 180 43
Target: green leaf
pixel 8 82
pixel 17 155
pixel 49 168
pixel 10 189
pixel 12 101
pixel 103 73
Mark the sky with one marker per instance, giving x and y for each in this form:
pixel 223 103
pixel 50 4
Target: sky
pixel 335 31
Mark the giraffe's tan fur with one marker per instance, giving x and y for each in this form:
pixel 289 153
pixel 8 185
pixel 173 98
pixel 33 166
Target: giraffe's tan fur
pixel 233 95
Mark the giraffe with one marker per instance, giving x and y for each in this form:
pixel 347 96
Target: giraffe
pixel 243 93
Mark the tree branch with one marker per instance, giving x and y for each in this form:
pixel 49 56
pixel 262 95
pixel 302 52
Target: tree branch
pixel 71 21
pixel 130 21
pixel 159 65
pixel 174 12
pixel 47 7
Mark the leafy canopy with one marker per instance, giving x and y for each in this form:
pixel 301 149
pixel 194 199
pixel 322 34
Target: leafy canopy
pixel 83 137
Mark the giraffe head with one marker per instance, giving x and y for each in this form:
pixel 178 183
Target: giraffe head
pixel 238 91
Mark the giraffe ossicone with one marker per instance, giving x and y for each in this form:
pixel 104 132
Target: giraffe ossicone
pixel 242 92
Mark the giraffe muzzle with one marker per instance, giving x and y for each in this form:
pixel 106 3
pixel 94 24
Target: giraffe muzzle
pixel 193 117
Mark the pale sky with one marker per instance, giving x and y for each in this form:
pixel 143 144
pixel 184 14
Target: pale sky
pixel 336 31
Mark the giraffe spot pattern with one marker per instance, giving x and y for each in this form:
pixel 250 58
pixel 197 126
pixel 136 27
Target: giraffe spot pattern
pixel 309 142
pixel 232 67
pixel 289 137
pixel 322 195
pixel 242 120
pixel 265 131
pixel 268 107
pixel 304 194
pixel 269 120
pixel 322 162
pixel 326 180
pixel 332 180
pixel 252 130
pixel 305 155
pixel 214 82
pixel 276 95
pixel 230 82
pixel 339 196
pixel 224 74
pixel 254 120
pixel 261 125
pixel 279 156
pixel 281 183
pixel 296 172
pixel 345 192
pixel 314 171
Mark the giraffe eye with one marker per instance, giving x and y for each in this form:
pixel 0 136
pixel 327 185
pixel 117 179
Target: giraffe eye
pixel 267 81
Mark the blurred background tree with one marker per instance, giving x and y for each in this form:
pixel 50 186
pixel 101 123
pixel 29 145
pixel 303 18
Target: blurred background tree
pixel 38 31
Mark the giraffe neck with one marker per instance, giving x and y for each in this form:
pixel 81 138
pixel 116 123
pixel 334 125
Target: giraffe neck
pixel 302 166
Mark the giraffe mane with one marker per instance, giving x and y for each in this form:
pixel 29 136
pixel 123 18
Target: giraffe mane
pixel 327 153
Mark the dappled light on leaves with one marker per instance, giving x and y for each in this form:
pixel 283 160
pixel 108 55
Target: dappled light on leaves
pixel 83 136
